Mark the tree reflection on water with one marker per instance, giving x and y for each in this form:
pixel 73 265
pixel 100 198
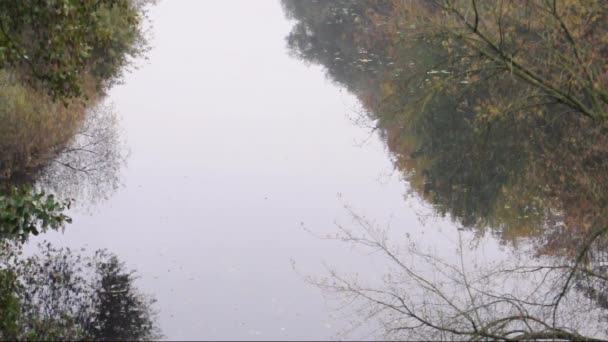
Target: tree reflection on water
pixel 494 115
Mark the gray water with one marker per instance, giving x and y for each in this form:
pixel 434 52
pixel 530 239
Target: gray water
pixel 241 159
pixel 235 147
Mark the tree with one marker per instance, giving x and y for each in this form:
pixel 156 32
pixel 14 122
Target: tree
pixel 553 49
pixel 58 294
pixel 481 142
pixel 425 297
pixel 495 114
pixel 57 61
pixel 59 42
pixel 88 166
pixel 122 313
pixel 10 306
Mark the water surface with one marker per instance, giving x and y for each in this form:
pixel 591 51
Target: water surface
pixel 234 147
pixel 242 158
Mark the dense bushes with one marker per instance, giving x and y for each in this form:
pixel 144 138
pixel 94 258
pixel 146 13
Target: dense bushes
pixel 57 61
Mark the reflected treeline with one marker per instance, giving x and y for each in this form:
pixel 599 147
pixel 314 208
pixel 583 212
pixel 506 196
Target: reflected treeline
pixel 470 135
pixel 423 296
pixel 495 114
pixel 73 150
pixel 58 60
pixel 58 294
pixel 88 167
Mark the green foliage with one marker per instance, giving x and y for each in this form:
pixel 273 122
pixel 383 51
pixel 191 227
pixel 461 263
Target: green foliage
pixel 494 114
pixel 120 38
pixel 55 42
pixel 9 314
pixel 26 211
pixel 57 294
pixel 57 60
pixel 121 313
pixel 331 33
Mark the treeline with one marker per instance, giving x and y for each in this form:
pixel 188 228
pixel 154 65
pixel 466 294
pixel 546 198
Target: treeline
pixel 58 59
pixel 494 112
pixel 59 294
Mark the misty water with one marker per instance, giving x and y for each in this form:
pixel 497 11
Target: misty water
pixel 247 167
pixel 235 147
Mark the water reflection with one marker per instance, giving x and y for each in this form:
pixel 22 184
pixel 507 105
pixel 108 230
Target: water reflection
pixel 489 150
pixel 424 296
pixel 531 178
pixel 88 167
pixel 81 162
pixel 59 294
pixel 59 141
pixel 520 174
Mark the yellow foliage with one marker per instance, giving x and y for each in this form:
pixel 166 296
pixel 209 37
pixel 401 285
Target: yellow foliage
pixel 34 127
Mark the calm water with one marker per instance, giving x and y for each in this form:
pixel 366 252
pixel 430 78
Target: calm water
pixel 242 158
pixel 234 148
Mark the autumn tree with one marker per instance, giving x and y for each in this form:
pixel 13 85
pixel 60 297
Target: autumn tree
pixel 457 97
pixel 57 61
pixel 495 113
